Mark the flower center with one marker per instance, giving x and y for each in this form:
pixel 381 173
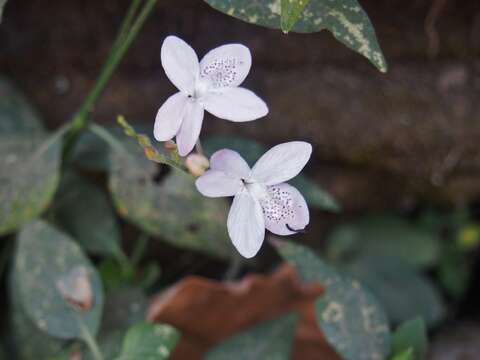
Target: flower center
pixel 202 86
pixel 257 190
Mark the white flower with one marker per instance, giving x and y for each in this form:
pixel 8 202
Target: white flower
pixel 211 84
pixel 262 198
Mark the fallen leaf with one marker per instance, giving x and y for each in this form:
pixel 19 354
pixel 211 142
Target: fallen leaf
pixel 206 311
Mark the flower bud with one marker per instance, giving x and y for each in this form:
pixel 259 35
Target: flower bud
pixel 196 164
pixel 170 145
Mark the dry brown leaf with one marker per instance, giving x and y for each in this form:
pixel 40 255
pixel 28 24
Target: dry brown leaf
pixel 207 311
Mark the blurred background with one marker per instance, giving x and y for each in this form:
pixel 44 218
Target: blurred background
pixel 398 151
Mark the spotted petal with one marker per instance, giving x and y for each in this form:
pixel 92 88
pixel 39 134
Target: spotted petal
pixel 226 65
pixel 285 210
pixel 180 63
pixel 235 104
pixel 230 162
pixel 169 117
pixel 214 183
pixel 246 225
pixel 190 128
pixel 282 162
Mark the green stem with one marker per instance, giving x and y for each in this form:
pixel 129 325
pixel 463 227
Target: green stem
pixel 126 23
pixel 90 341
pixel 118 52
pixel 124 40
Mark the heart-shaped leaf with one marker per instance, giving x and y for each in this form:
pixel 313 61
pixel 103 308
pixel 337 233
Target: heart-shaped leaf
pixel 345 19
pixel 59 288
pixel 29 177
pixel 269 340
pixel 351 318
pixel 149 342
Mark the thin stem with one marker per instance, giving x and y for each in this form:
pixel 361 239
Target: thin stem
pixel 90 341
pixel 127 34
pixel 127 22
pixel 118 52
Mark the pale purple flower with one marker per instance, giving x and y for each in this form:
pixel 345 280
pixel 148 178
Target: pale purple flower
pixel 262 198
pixel 211 84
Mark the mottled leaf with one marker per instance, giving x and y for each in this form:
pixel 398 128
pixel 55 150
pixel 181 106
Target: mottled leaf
pixel 411 337
pixel 290 13
pixel 345 19
pixel 28 341
pixel 269 340
pixel 385 236
pixel 149 342
pixel 44 258
pixel 29 176
pixel 351 318
pixel 170 207
pixel 404 292
pixel 17 116
pixel 251 152
pixel 83 210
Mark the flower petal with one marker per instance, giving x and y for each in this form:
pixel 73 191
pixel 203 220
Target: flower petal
pixel 235 104
pixel 246 225
pixel 214 183
pixel 169 117
pixel 282 162
pixel 190 128
pixel 230 162
pixel 180 63
pixel 226 65
pixel 284 210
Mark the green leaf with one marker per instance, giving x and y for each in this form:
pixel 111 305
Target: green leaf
pixel 404 292
pixel 386 235
pixel 91 153
pixel 17 116
pixel 290 13
pixel 251 152
pixel 404 355
pixel 345 19
pixel 28 341
pixel 411 335
pixel 350 317
pixel 172 209
pixel 269 340
pixel 455 271
pixel 83 210
pixel 45 258
pixel 29 177
pixel 149 342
